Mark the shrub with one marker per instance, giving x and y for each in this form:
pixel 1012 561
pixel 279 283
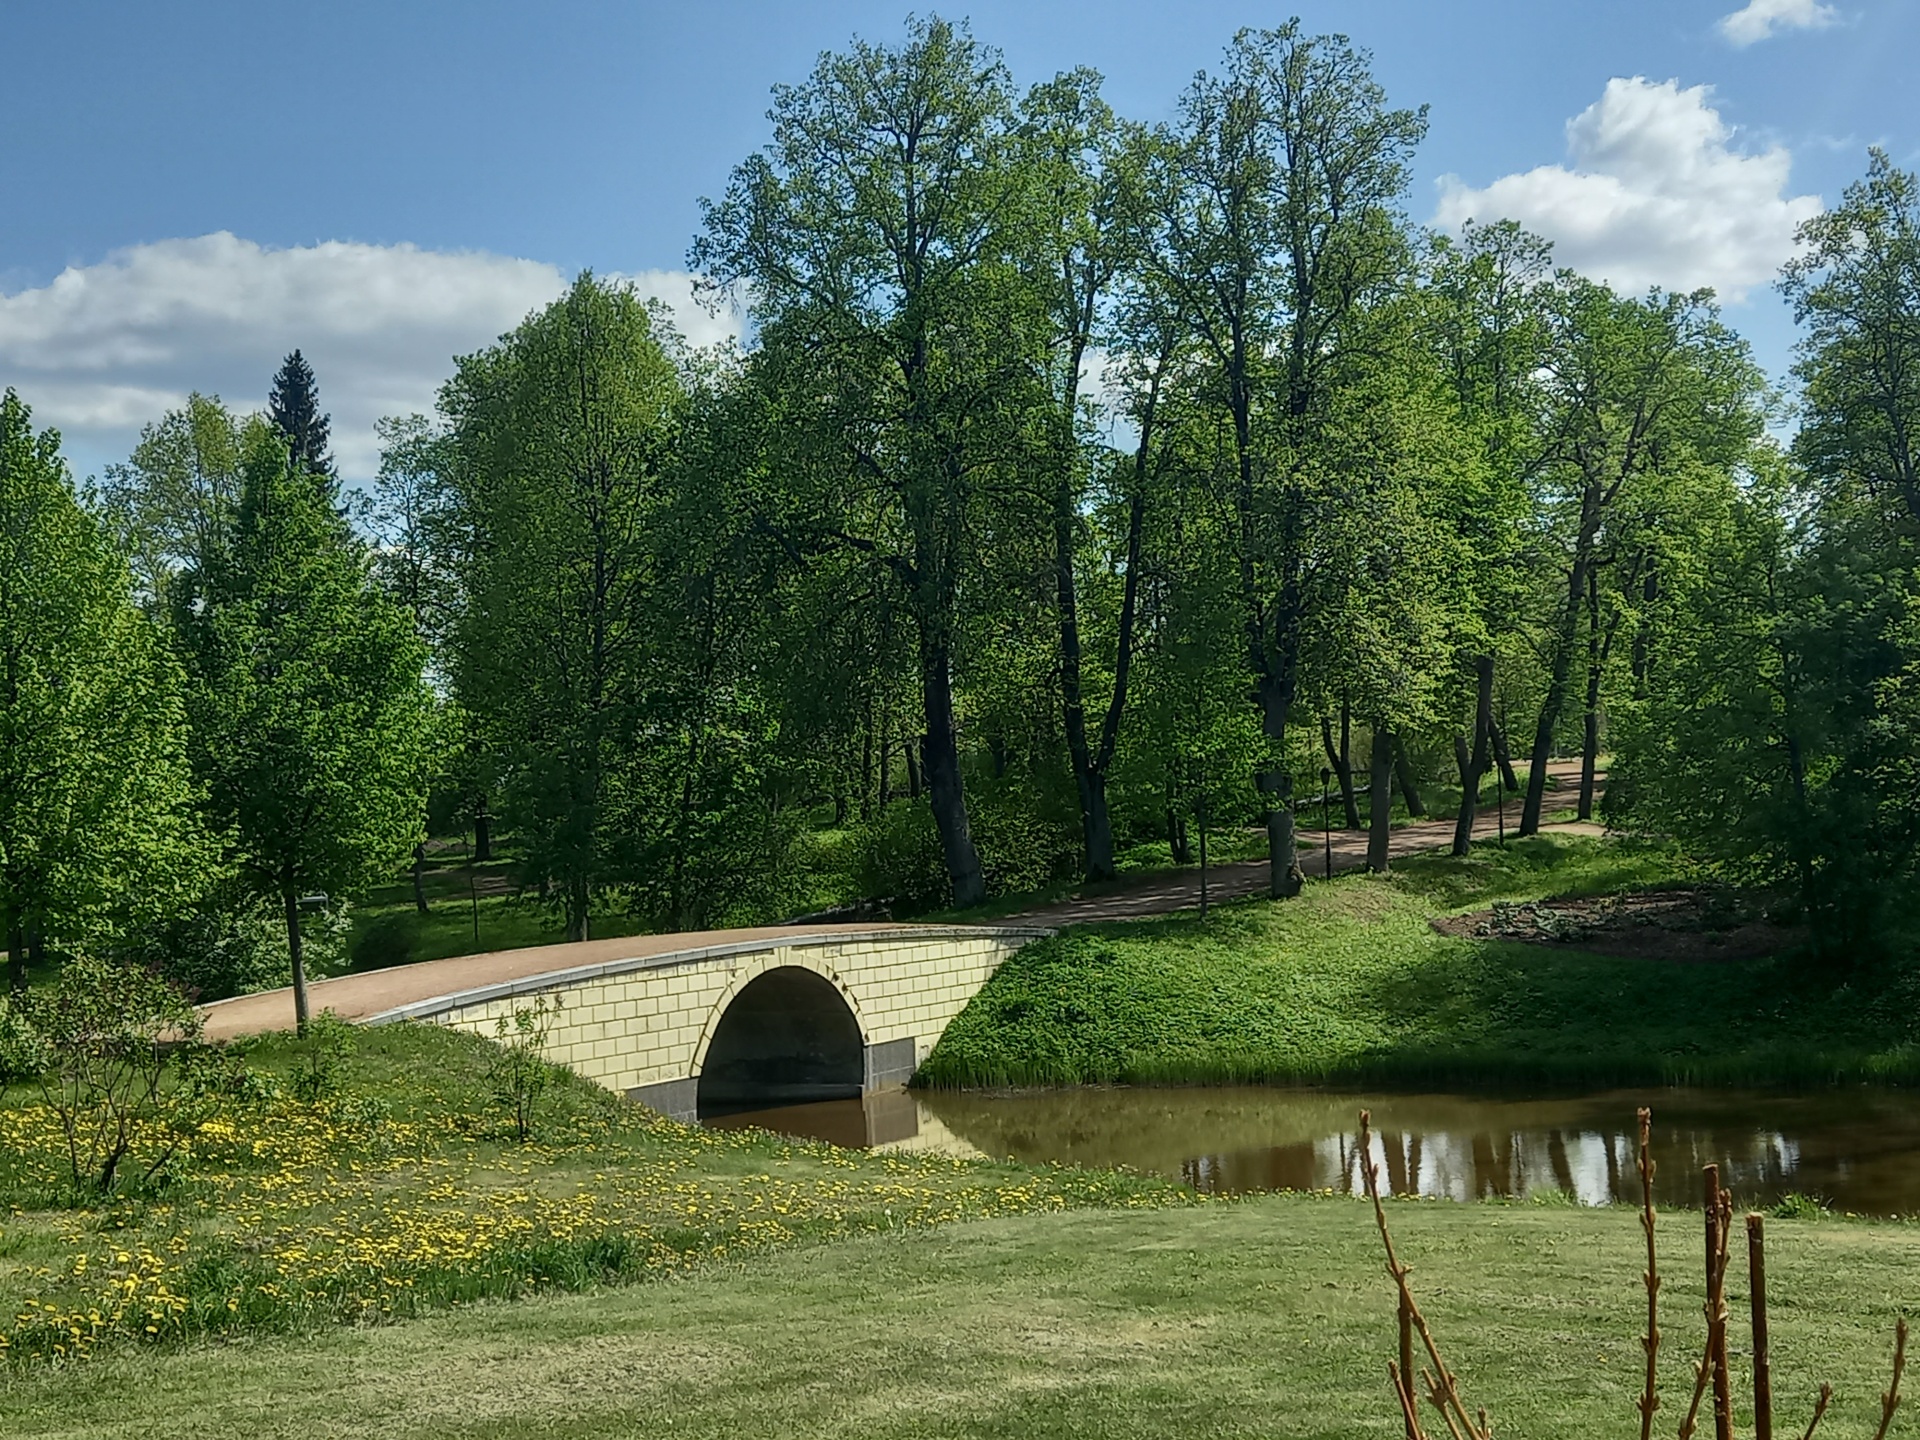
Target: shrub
pixel 120 1066
pixel 328 1045
pixel 518 1074
pixel 900 857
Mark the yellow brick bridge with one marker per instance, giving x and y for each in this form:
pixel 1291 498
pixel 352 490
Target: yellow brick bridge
pixel 711 1023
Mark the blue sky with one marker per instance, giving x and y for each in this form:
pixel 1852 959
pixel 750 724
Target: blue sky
pixel 187 191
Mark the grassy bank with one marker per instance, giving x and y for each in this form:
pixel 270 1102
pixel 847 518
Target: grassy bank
pixel 1260 1318
pixel 403 1191
pixel 1350 984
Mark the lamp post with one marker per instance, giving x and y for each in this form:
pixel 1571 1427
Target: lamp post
pixel 1326 818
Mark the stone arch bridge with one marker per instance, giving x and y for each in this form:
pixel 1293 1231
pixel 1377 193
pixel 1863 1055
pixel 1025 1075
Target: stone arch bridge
pixel 692 1025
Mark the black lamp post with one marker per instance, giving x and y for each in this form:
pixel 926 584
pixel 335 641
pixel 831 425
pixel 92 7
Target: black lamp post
pixel 1326 817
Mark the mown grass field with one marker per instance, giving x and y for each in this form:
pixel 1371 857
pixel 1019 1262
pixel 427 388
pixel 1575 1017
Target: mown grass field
pixel 1350 984
pixel 1268 1317
pixel 405 1191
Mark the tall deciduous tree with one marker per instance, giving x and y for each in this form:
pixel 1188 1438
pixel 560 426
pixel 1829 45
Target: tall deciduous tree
pixel 1085 197
pixel 1638 390
pixel 97 830
pixel 310 718
pixel 1278 200
pixel 561 443
pixel 1486 297
pixel 878 243
pixel 172 503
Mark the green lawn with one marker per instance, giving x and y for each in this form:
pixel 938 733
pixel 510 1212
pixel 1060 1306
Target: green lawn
pixel 1269 1317
pixel 1349 983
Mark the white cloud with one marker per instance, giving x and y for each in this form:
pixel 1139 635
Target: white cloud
pixel 1652 194
pixel 105 348
pixel 1759 19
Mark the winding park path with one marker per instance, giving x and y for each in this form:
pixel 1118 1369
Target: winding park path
pixel 476 982
pixel 1180 889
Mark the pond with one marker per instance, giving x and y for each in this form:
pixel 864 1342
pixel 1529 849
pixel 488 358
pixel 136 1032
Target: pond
pixel 1858 1150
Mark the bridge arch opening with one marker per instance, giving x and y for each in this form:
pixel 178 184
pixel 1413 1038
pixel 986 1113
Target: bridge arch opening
pixel 788 1038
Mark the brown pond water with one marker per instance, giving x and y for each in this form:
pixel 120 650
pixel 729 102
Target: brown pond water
pixel 1858 1150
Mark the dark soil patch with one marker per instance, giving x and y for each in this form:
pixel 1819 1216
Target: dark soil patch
pixel 1689 925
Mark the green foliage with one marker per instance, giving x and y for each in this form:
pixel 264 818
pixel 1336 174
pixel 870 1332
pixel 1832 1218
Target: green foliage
pixel 115 1053
pixel 1777 736
pixel 234 942
pixel 327 1047
pixel 519 1073
pixel 310 718
pixel 97 831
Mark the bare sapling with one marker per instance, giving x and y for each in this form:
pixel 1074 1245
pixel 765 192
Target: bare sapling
pixel 1650 1342
pixel 1443 1390
pixel 1890 1397
pixel 1714 1368
pixel 1762 1359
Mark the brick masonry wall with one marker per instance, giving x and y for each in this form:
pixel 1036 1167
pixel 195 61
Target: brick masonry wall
pixel 632 1027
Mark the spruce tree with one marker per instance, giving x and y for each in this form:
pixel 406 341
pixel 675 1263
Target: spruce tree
pixel 293 406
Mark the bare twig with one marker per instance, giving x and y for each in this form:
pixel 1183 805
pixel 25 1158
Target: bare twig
pixel 1409 1407
pixel 1437 1397
pixel 1762 1360
pixel 1406 1360
pixel 1718 1205
pixel 1446 1388
pixel 1890 1398
pixel 1826 1394
pixel 1719 1222
pixel 1650 1342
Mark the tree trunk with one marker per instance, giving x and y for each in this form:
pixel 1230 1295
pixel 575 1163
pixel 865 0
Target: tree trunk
pixel 941 759
pixel 1096 824
pixel 1504 756
pixel 291 902
pixel 1284 878
pixel 419 877
pixel 578 898
pixel 16 956
pixel 1409 784
pixel 866 765
pixel 1090 766
pixel 1177 841
pixel 1474 766
pixel 1590 739
pixel 482 833
pixel 1341 759
pixel 913 767
pixel 1561 671
pixel 1380 800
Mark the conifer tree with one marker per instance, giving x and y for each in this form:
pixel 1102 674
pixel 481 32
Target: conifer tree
pixel 293 405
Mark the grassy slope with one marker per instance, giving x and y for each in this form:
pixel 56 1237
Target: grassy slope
pixel 406 1192
pixel 1350 983
pixel 1268 1317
